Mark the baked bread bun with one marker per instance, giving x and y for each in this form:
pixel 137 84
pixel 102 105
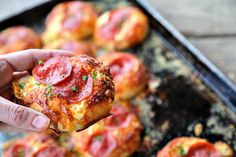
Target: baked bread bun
pixel 34 145
pixel 129 73
pixel 18 38
pixel 70 20
pixel 121 28
pixel 115 136
pixel 77 47
pixel 195 147
pixel 74 92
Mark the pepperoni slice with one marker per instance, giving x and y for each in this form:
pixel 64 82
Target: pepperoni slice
pixel 76 87
pixel 114 24
pixel 121 66
pixel 101 145
pixel 53 70
pixel 18 149
pixel 50 151
pixel 203 149
pixel 120 117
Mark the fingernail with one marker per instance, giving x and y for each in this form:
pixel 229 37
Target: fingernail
pixel 40 122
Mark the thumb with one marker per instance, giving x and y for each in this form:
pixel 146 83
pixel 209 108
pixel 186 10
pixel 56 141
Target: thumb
pixel 22 117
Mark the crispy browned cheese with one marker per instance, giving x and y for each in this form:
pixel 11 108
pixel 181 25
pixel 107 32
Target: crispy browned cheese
pixel 74 103
pixel 121 28
pixel 185 146
pixel 18 38
pixel 70 20
pixel 114 136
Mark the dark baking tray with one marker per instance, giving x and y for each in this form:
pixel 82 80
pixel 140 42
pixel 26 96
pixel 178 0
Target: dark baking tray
pixel 184 103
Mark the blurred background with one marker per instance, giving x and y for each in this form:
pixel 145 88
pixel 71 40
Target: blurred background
pixel 210 25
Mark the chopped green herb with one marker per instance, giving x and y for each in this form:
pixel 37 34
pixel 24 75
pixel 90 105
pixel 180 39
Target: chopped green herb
pixel 22 85
pixel 94 74
pixel 182 152
pixel 48 92
pixel 85 78
pixel 101 75
pixel 49 87
pixel 37 83
pixel 98 138
pixel 49 95
pixel 57 95
pixel 63 139
pixel 40 62
pixel 74 89
pixel 20 153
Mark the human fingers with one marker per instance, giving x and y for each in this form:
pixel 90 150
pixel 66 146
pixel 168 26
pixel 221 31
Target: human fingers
pixel 22 117
pixel 27 59
pixel 20 74
pixel 6 72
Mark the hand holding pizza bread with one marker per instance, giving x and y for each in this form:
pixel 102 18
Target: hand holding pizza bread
pixel 73 92
pixel 16 117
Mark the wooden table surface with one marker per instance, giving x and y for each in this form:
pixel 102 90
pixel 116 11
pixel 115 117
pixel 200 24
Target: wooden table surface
pixel 209 24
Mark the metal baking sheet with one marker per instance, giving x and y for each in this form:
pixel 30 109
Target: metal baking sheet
pixel 185 89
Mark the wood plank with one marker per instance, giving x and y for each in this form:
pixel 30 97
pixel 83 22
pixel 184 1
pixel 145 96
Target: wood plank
pixel 199 17
pixel 221 51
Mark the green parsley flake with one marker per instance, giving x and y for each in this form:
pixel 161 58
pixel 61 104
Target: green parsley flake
pixel 22 85
pixel 63 139
pixel 40 62
pixel 49 87
pixel 101 75
pixel 37 83
pixel 74 89
pixel 94 74
pixel 57 95
pixel 181 151
pixel 20 153
pixel 98 138
pixel 49 95
pixel 85 78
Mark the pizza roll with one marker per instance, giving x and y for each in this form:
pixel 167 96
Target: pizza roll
pixel 77 47
pixel 121 28
pixel 129 73
pixel 34 145
pixel 74 92
pixel 70 20
pixel 194 147
pixel 18 38
pixel 114 136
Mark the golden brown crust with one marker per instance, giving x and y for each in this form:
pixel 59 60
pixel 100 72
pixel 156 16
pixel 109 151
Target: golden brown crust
pixel 67 115
pixel 70 20
pixel 121 28
pixel 18 38
pixel 121 131
pixel 179 146
pixel 77 47
pixel 129 73
pixel 225 149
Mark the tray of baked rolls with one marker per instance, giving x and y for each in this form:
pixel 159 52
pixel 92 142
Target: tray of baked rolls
pixel 150 92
